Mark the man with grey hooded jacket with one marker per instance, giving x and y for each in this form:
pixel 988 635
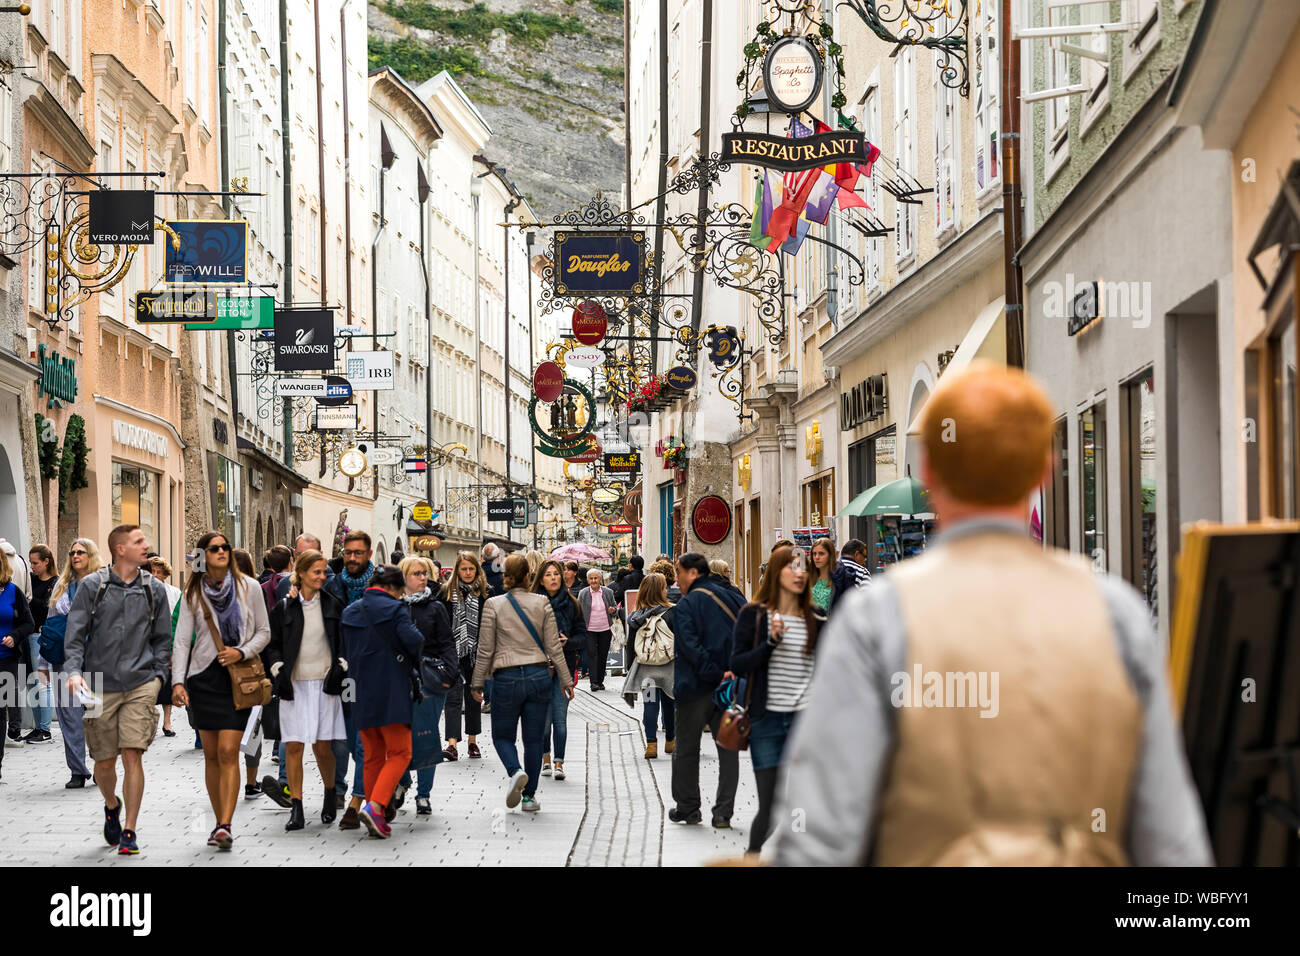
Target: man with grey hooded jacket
pixel 120 631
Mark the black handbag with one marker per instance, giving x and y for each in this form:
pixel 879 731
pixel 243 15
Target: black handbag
pixel 434 673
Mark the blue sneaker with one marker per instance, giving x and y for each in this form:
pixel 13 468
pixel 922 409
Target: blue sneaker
pixel 113 824
pixel 372 815
pixel 128 846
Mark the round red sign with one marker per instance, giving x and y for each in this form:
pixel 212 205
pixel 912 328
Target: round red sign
pixel 592 453
pixel 548 381
pixel 711 519
pixel 589 322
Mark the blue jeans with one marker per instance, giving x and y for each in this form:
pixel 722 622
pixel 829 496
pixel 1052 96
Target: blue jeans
pixel 521 695
pixel 767 737
pixel 279 752
pixel 487 691
pixel 344 749
pixel 654 698
pixel 557 717
pixel 41 709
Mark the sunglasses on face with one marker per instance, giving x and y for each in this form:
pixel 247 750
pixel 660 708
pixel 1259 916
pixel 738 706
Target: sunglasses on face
pixel 75 553
pixel 214 548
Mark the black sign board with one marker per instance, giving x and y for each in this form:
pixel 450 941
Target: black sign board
pixel 175 306
pixel 304 340
pixel 599 263
pixel 501 509
pixel 792 155
pixel 623 462
pixel 519 513
pixel 120 216
pixel 864 402
pixel 1084 309
pixel 338 391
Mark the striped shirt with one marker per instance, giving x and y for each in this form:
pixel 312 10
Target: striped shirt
pixel 789 669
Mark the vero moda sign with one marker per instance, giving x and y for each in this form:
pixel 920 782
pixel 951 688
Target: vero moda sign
pixel 304 340
pixel 207 252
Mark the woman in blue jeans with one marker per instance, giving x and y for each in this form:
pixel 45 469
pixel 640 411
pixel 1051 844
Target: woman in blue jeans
pixel 518 643
pixel 573 634
pixel 772 648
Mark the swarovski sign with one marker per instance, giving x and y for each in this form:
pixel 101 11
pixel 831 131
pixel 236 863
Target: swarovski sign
pixel 304 341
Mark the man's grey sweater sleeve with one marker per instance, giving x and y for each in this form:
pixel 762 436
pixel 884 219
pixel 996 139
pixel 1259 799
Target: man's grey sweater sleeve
pixel 1166 821
pixel 838 755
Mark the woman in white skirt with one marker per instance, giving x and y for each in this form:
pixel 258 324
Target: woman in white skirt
pixel 308 675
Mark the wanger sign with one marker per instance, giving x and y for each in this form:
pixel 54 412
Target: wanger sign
pixel 792 155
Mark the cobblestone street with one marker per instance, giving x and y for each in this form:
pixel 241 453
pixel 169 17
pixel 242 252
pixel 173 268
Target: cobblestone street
pixel 611 810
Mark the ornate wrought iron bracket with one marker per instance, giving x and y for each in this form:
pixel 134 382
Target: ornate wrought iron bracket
pixel 928 23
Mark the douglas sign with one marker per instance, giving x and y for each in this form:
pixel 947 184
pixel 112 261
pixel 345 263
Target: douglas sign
pixel 599 263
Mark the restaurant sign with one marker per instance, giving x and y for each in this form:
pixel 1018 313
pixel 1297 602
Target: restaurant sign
pixel 792 74
pixel 793 155
pixel 599 263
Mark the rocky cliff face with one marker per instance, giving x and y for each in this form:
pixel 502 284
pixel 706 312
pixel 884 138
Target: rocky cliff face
pixel 546 74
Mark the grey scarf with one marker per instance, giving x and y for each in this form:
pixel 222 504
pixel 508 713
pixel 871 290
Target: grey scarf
pixel 230 614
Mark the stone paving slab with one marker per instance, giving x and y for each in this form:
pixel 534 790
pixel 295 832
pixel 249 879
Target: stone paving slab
pixel 611 810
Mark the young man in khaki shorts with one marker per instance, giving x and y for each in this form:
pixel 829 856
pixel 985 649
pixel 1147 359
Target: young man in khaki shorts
pixel 119 629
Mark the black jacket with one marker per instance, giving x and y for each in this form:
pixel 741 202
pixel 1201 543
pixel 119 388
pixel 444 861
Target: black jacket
pixel 286 642
pixel 751 652
pixel 631 581
pixel 496 581
pixel 430 618
pixel 842 582
pixel 702 632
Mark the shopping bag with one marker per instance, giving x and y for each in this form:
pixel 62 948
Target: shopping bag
pixel 252 740
pixel 426 740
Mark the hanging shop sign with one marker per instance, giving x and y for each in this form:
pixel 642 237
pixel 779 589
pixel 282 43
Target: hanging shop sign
pixel 422 511
pixel 387 456
pixel 119 216
pixel 607 512
pixel 300 387
pixel 1084 308
pixel 584 357
pixel 353 462
pixel 566 435
pixel 682 378
pixel 794 155
pixel 336 418
pixel 724 346
pixel 519 514
pixel 210 252
pixel 627 463
pixel 245 312
pixel 176 306
pixel 338 391
pixel 370 371
pixel 711 519
pixel 599 263
pixel 589 322
pixel 864 402
pixel 587 455
pixel 501 509
pixel 427 543
pixel 304 341
pixel 415 466
pixel 58 378
pixel 606 496
pixel 621 529
pixel 792 74
pixel 548 382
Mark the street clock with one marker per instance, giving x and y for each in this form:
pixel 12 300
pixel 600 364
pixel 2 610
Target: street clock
pixel 353 462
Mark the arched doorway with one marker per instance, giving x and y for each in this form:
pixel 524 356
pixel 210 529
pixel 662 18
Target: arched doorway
pixel 918 392
pixel 271 539
pixel 10 527
pixel 257 539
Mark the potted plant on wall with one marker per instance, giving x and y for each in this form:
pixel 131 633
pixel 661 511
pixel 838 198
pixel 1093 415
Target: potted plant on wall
pixel 675 458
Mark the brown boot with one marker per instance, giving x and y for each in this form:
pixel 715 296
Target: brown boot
pixel 652 750
pixel 670 745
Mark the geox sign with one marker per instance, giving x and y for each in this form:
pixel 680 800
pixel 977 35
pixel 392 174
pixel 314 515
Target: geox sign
pixel 304 341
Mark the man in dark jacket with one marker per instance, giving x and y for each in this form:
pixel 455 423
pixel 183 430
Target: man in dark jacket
pixel 705 618
pixel 491 560
pixel 850 571
pixel 632 580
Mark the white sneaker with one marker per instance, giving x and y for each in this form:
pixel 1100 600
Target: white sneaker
pixel 516 788
pixel 10 742
pixel 531 804
pixel 546 766
pixel 559 771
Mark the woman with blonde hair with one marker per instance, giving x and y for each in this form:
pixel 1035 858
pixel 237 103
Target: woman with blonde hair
pixel 308 671
pixel 654 682
pixel 83 559
pixel 223 621
pixel 465 594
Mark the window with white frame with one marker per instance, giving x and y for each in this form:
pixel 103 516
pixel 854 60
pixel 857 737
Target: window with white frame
pixel 188 30
pixel 947 181
pixel 1145 17
pixel 1058 107
pixel 873 249
pixel 987 37
pixel 905 214
pixel 1094 73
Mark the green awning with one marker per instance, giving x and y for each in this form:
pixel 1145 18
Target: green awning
pixel 906 496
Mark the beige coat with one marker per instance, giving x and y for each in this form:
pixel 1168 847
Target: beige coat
pixel 504 641
pixel 194 650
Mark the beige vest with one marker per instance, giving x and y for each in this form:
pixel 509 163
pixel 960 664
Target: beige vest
pixel 1029 785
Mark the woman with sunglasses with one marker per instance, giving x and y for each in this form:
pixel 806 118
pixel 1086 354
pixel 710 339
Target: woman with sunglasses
pixel 83 559
pixel 223 621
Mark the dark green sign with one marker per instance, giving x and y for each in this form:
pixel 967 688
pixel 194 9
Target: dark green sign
pixel 58 378
pixel 246 312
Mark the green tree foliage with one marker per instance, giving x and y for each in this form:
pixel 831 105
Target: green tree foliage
pixel 72 469
pixel 417 62
pixel 478 22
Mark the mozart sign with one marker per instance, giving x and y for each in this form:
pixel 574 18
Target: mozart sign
pixel 793 155
pixel 711 519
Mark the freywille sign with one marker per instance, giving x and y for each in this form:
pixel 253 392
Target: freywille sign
pixel 599 263
pixel 792 74
pixel 304 341
pixel 626 462
pixel 711 519
pixel 793 155
pixel 211 252
pixel 120 216
pixel 175 306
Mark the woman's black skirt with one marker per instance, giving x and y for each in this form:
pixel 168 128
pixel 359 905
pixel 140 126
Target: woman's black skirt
pixel 211 704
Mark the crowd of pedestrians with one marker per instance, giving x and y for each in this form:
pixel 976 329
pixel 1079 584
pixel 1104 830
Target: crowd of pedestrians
pixel 373 662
